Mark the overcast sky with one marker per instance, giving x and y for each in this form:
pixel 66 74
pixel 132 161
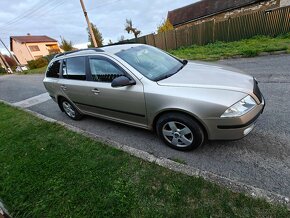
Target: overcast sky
pixel 57 18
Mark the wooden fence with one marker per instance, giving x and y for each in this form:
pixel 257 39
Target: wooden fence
pixel 272 23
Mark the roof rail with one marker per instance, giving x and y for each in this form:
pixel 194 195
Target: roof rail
pixel 86 49
pixel 122 43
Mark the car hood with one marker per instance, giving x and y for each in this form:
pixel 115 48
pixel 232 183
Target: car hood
pixel 204 75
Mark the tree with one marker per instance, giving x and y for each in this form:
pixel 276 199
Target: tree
pixel 110 42
pixel 10 61
pixel 121 39
pixel 66 45
pixel 98 36
pixel 165 26
pixel 130 29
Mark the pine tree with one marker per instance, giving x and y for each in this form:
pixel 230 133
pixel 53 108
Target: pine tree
pixel 66 45
pixel 98 36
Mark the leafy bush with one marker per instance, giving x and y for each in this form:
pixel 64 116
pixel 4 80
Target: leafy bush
pixel 38 63
pixel 49 57
pixel 2 70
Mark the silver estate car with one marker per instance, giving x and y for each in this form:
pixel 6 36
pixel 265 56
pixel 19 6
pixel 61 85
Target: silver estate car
pixel 185 102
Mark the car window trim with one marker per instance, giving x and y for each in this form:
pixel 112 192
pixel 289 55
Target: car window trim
pixel 59 71
pixel 86 67
pixel 100 57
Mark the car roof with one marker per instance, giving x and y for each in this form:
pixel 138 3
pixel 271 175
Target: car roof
pixel 111 49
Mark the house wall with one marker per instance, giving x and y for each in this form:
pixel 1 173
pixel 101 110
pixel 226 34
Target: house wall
pixel 21 52
pixel 268 4
pixel 24 54
pixel 43 49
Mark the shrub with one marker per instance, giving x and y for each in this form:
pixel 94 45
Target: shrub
pixel 2 70
pixel 49 57
pixel 38 63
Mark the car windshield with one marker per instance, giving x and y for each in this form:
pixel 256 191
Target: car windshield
pixel 151 62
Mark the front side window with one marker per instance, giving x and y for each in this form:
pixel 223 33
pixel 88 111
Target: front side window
pixel 74 68
pixel 151 62
pixel 53 70
pixel 104 71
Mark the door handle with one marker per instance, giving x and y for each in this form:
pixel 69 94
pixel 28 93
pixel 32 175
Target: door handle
pixel 96 91
pixel 63 87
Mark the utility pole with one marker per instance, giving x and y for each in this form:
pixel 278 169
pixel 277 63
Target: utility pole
pixel 17 62
pixel 89 24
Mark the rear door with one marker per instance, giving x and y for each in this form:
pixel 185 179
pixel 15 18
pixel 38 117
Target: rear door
pixel 73 79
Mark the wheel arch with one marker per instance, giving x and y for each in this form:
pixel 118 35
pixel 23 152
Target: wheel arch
pixel 58 100
pixel 194 117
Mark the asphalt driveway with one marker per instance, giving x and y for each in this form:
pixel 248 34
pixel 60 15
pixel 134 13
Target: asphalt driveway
pixel 262 159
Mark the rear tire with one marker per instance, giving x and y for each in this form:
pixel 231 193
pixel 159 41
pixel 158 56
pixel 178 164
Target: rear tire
pixel 180 131
pixel 70 110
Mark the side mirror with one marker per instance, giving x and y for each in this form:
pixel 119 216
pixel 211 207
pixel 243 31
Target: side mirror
pixel 122 81
pixel 184 62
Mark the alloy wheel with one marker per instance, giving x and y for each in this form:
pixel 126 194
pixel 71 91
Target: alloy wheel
pixel 69 110
pixel 177 134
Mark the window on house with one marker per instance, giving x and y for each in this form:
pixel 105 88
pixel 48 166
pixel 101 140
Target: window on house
pixel 53 70
pixel 52 49
pixel 104 71
pixel 34 48
pixel 74 68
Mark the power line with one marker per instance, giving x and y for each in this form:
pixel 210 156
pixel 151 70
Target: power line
pixel 35 11
pixel 88 10
pixel 17 62
pixel 33 8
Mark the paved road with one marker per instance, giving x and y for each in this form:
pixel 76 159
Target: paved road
pixel 262 159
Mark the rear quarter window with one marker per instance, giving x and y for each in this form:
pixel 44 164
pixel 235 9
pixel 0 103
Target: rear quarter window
pixel 53 69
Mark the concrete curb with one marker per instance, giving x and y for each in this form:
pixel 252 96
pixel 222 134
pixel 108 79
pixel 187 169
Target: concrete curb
pixel 233 185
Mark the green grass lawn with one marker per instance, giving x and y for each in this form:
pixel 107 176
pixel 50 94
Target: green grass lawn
pixel 245 48
pixel 48 171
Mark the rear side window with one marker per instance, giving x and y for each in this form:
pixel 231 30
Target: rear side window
pixel 53 70
pixel 74 68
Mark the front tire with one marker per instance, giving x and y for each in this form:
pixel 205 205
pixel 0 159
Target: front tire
pixel 180 131
pixel 70 110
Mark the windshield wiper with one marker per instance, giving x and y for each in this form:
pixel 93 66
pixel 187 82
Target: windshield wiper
pixel 168 75
pixel 164 76
pixel 184 62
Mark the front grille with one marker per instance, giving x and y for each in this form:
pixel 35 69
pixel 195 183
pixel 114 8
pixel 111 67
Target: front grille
pixel 257 91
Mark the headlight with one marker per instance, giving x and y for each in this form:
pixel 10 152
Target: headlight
pixel 240 108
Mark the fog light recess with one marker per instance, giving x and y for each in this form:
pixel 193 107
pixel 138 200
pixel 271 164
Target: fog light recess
pixel 248 130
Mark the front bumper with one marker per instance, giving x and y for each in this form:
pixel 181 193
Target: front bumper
pixel 233 128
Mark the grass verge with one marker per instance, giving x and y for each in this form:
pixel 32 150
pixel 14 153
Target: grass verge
pixel 34 71
pixel 245 48
pixel 49 171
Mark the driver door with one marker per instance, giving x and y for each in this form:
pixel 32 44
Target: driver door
pixel 125 104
